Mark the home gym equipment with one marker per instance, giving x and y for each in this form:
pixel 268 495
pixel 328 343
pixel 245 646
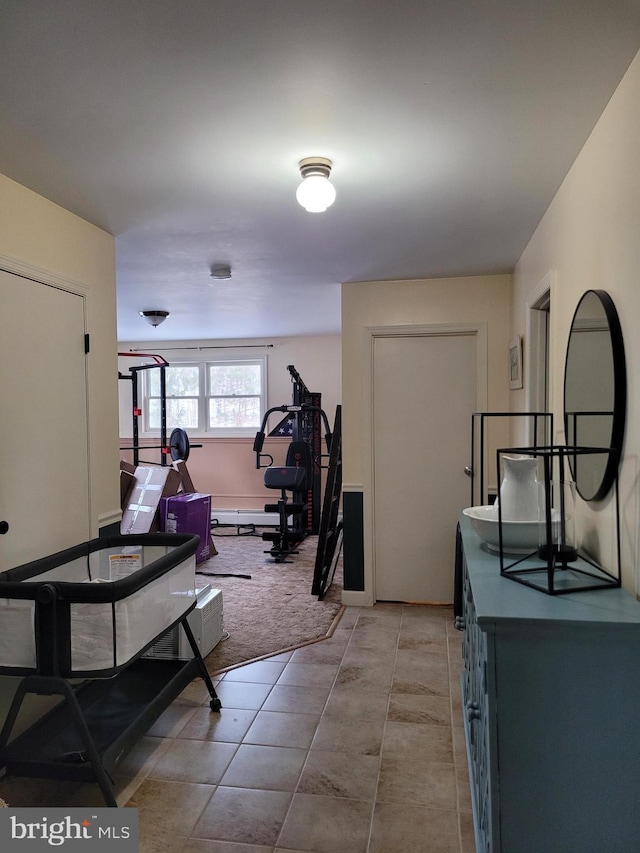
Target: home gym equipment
pixel 330 535
pixel 178 446
pixel 307 427
pixel 292 477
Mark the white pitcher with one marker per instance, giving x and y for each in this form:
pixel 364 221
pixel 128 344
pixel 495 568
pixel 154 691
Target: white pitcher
pixel 518 494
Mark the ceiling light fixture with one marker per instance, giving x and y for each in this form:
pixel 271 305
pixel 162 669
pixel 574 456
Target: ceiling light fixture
pixel 154 318
pixel 220 272
pixel 316 193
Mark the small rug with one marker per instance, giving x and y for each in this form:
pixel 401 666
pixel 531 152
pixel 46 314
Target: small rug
pixel 273 610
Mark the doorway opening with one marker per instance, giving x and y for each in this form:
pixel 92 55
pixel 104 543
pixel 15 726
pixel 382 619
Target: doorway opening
pixel 538 362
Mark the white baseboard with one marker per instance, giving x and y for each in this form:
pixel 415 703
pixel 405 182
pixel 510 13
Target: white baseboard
pixel 240 517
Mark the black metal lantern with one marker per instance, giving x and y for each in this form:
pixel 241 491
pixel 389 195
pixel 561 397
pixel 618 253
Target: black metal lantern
pixel 562 549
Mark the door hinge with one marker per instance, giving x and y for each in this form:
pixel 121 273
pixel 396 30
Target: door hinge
pixel 86 344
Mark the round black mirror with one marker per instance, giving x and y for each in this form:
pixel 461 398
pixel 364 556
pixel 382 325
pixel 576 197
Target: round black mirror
pixel 595 392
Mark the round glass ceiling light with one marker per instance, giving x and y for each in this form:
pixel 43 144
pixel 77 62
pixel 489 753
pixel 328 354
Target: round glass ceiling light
pixel 316 193
pixel 154 318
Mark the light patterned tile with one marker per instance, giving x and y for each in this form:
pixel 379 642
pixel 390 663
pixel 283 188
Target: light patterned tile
pixel 427 782
pixel 194 761
pixel 230 725
pixel 419 708
pixel 358 706
pixel 326 825
pixel 417 741
pixel 152 843
pixel 467 834
pixel 169 808
pixel 260 672
pixel 309 674
pixel 243 695
pixel 328 651
pixel 272 768
pixel 273 728
pixel 200 845
pixel 243 815
pixel 340 774
pixel 399 828
pixel 428 676
pixel 341 735
pixel 364 678
pixel 294 699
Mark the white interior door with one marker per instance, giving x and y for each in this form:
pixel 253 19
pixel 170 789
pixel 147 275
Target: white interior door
pixel 44 479
pixel 424 393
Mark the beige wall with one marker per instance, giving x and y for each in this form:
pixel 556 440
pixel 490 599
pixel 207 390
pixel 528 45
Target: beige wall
pixel 590 238
pixel 423 302
pixel 225 467
pixel 481 300
pixel 41 239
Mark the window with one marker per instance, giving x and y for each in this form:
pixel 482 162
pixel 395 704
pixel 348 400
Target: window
pixel 212 397
pixel 182 397
pixel 234 395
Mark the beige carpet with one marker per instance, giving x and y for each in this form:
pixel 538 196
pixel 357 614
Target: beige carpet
pixel 272 611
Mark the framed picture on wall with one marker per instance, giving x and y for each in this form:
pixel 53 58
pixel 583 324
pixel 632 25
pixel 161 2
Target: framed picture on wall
pixel 515 362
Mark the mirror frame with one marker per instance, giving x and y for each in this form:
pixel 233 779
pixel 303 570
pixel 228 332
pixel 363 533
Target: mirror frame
pixel 619 390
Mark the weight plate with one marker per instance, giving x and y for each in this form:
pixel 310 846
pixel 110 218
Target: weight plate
pixel 179 443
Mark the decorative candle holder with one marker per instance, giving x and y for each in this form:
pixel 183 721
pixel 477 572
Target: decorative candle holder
pixel 564 559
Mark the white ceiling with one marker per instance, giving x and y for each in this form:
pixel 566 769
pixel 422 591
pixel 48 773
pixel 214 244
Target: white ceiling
pixel 177 125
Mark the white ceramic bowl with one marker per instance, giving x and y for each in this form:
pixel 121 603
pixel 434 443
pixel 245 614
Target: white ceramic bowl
pixel 518 537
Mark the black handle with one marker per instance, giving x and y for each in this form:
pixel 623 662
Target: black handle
pixel 4 527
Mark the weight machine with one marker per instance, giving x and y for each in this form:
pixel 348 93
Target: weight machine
pixel 178 446
pixel 294 476
pixel 307 427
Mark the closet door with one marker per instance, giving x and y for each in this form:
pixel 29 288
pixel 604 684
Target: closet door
pixel 424 392
pixel 44 470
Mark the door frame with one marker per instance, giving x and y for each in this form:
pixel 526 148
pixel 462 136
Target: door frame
pixel 538 376
pixel 479 330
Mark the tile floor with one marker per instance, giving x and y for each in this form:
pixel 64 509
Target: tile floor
pixel 350 745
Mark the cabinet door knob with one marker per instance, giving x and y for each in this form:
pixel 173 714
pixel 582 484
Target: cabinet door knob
pixel 473 711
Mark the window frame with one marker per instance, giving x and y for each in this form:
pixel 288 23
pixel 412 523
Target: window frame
pixel 204 430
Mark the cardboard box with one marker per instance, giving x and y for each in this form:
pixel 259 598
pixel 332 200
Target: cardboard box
pixel 141 514
pixel 127 482
pixel 189 513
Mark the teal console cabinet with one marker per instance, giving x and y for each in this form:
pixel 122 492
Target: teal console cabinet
pixel 551 706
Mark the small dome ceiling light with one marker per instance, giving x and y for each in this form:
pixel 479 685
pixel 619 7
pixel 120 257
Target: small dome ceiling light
pixel 154 318
pixel 220 272
pixel 316 193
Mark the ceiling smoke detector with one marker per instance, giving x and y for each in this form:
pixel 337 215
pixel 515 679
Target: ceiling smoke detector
pixel 316 193
pixel 220 272
pixel 154 318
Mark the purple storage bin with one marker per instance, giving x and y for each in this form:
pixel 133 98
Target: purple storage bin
pixel 190 513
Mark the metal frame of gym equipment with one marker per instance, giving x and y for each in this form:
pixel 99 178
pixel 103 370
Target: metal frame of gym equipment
pixel 307 428
pixel 330 535
pixel 178 445
pixel 288 478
